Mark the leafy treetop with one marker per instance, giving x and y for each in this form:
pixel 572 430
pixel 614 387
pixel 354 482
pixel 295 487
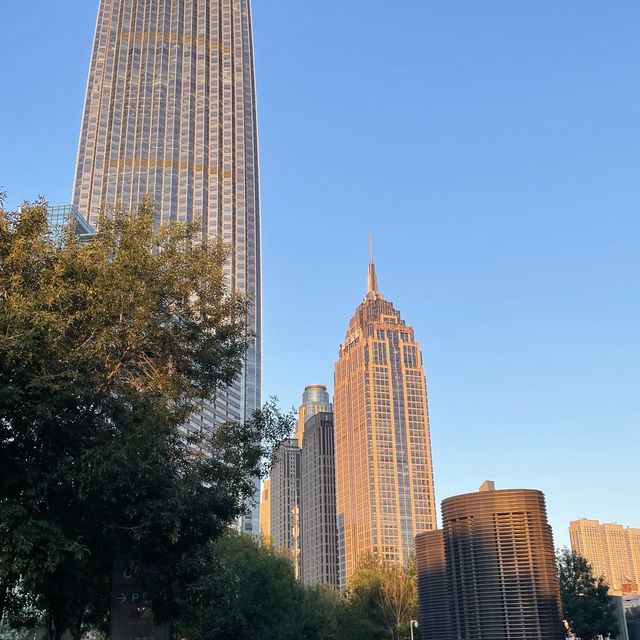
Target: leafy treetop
pixel 106 347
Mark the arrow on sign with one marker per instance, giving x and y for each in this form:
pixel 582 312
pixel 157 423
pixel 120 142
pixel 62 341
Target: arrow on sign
pixel 122 598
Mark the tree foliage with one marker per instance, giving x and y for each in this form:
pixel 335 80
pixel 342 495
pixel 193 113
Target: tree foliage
pixel 262 598
pixel 585 599
pixel 249 591
pixel 383 599
pixel 106 348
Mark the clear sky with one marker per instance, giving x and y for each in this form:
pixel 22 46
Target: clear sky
pixel 494 150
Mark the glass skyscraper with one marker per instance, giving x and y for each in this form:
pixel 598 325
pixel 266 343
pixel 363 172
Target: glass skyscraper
pixel 384 475
pixel 170 111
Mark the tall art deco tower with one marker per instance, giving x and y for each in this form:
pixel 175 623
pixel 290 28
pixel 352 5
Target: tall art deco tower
pixel 384 476
pixel 170 111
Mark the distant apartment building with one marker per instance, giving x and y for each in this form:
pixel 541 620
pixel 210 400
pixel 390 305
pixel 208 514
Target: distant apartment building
pixel 384 475
pixel 285 499
pixel 612 550
pixel 319 540
pixel 490 573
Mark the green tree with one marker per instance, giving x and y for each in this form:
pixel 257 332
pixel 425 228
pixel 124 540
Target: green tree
pixel 250 592
pixel 399 597
pixel 382 599
pixel 106 348
pixel 363 618
pixel 585 599
pixel 322 612
pixel 247 590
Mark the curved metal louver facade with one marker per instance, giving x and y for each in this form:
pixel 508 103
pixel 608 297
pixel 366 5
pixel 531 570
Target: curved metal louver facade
pixel 501 570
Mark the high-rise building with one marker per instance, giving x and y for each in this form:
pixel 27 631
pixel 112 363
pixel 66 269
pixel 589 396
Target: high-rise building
pixel 315 399
pixel 319 550
pixel 384 477
pixel 496 549
pixel 265 509
pixel 285 500
pixel 612 550
pixel 170 111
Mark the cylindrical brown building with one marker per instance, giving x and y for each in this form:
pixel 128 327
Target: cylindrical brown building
pixel 433 595
pixel 502 572
pixel 501 576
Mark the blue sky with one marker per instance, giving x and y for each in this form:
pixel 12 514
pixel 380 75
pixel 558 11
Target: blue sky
pixel 494 150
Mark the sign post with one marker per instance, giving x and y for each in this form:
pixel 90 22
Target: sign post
pixel 131 616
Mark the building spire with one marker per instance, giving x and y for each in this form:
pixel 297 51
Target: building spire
pixel 372 283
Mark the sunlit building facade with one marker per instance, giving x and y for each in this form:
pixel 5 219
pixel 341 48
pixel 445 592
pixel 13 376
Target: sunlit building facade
pixel 612 550
pixel 265 510
pixel 384 475
pixel 170 112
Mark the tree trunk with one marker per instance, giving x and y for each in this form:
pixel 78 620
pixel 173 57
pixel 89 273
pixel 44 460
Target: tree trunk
pixel 50 626
pixel 54 630
pixel 4 590
pixel 76 629
pixel 58 631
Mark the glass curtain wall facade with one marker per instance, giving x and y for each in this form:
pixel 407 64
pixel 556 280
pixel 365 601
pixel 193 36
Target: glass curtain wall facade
pixel 170 111
pixel 66 219
pixel 384 474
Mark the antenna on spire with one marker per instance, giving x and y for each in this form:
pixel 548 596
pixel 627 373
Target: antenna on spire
pixel 372 280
